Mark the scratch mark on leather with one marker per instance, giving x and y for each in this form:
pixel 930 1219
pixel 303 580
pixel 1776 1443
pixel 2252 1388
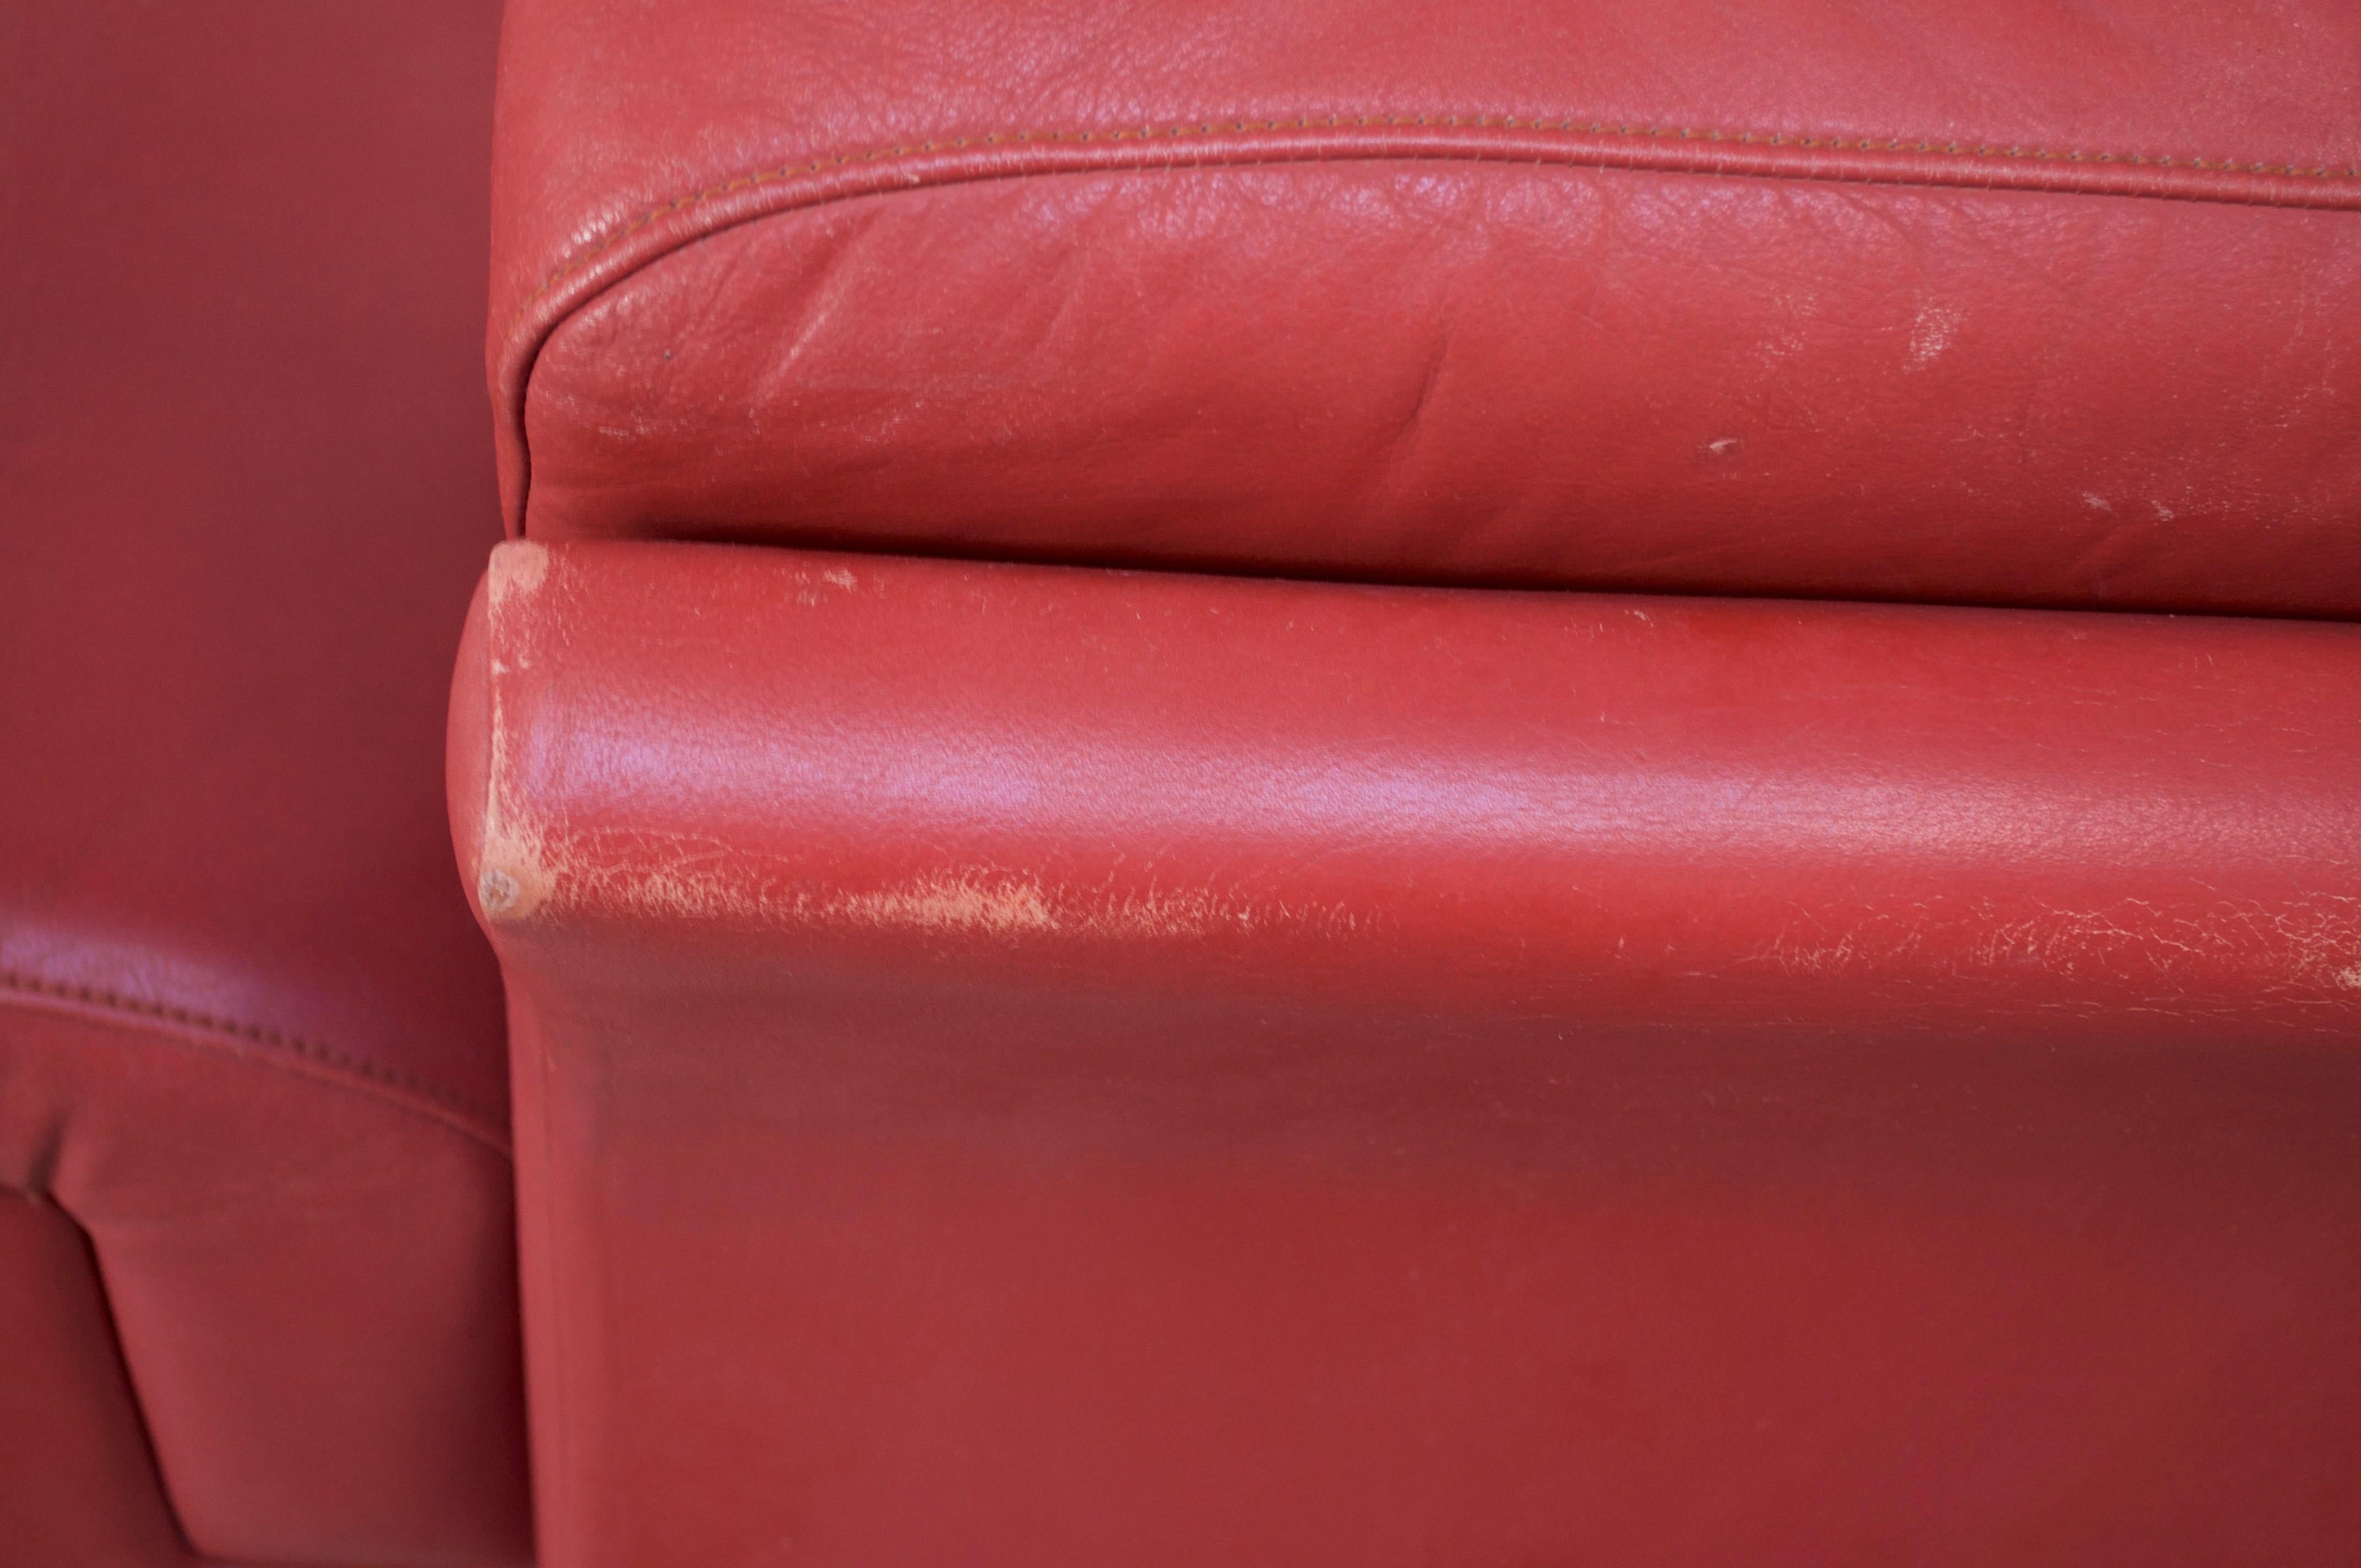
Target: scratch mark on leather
pixel 2309 946
pixel 642 876
pixel 516 570
pixel 512 879
pixel 1931 334
pixel 812 588
pixel 1001 907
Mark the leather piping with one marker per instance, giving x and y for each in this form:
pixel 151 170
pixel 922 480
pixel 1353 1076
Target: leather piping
pixel 285 1051
pixel 1338 139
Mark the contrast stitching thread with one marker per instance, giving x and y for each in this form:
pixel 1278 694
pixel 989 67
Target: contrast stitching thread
pixel 296 1045
pixel 1478 122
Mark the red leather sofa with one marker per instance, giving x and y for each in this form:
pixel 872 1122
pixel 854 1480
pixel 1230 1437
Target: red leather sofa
pixel 1291 784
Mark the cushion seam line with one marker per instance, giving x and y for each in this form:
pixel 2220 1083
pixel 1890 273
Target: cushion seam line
pixel 1425 137
pixel 1923 147
pixel 377 1083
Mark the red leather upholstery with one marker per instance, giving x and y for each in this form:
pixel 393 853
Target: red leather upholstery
pixel 2028 302
pixel 309 1284
pixel 72 1429
pixel 1036 1066
pixel 253 1107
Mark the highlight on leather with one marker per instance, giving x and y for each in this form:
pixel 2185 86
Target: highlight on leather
pixel 1073 1065
pixel 1632 810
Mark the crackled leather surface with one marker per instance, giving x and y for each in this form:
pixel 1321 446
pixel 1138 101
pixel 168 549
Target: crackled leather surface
pixel 2029 304
pixel 1045 1066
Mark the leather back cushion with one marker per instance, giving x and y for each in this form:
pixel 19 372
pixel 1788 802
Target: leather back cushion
pixel 2028 302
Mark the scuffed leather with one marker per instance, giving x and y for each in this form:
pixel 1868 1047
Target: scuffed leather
pixel 1070 1066
pixel 1431 293
pixel 251 1054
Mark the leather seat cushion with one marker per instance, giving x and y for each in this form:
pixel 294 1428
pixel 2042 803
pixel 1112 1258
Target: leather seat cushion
pixel 2030 303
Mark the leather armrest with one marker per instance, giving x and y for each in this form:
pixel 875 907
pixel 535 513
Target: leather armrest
pixel 1059 1066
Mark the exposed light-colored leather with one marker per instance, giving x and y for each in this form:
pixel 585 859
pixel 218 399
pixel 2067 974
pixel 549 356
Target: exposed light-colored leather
pixel 1061 1067
pixel 2029 302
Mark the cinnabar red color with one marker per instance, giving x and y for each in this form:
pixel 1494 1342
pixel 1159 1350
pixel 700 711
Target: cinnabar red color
pixel 1052 1066
pixel 2020 304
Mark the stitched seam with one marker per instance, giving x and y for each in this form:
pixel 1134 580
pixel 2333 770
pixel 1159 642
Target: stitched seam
pixel 293 1045
pixel 1926 147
